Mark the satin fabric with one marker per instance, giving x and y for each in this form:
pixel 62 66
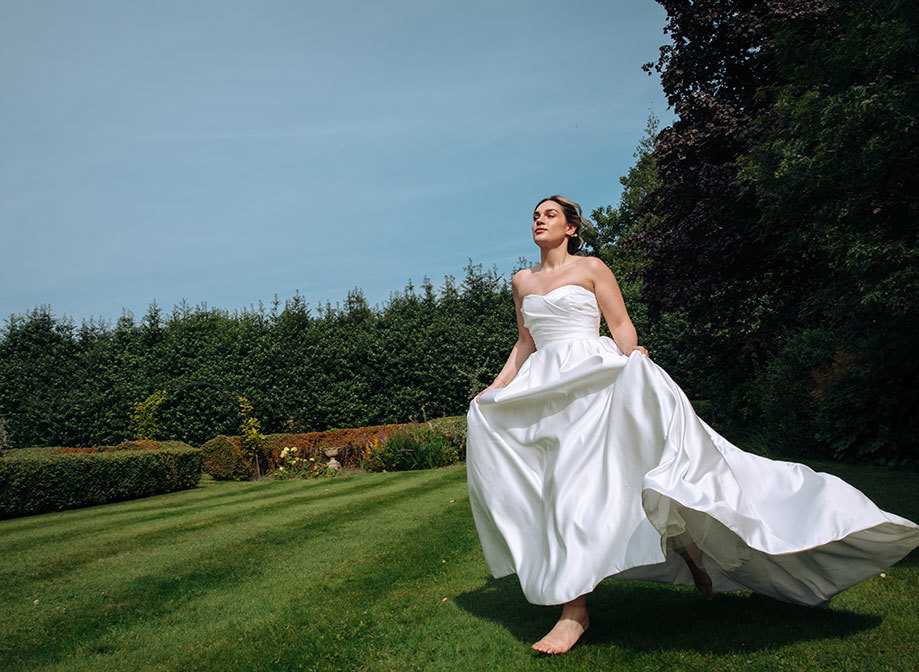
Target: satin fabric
pixel 591 464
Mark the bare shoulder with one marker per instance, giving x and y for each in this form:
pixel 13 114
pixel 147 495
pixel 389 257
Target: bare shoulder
pixel 593 263
pixel 520 275
pixel 596 270
pixel 520 279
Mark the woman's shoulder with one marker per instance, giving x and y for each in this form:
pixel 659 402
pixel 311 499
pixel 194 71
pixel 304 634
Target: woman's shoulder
pixel 521 276
pixel 590 263
pixel 589 269
pixel 595 268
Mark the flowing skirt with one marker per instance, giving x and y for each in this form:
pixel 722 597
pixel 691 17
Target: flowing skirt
pixel 591 464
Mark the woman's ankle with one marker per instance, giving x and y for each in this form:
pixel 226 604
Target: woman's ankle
pixel 577 606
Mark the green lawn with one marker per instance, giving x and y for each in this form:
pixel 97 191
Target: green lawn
pixel 384 572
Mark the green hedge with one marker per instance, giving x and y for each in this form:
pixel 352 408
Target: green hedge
pixel 224 458
pixel 37 480
pixel 304 368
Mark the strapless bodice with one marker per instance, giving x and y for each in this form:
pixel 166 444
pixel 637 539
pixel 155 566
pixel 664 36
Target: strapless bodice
pixel 566 313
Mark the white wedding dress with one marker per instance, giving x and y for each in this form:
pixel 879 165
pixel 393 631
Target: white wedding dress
pixel 591 464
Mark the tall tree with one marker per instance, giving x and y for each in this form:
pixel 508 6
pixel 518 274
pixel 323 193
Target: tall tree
pixel 613 237
pixel 787 202
pixel 613 227
pixel 833 171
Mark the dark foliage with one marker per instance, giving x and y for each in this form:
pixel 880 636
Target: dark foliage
pixel 419 355
pixel 788 207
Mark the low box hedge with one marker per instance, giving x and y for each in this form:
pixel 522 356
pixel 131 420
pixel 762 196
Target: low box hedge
pixel 37 480
pixel 225 459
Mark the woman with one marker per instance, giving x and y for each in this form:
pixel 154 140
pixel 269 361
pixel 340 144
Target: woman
pixel 585 461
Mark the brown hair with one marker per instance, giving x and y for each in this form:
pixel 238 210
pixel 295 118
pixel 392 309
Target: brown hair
pixel 572 212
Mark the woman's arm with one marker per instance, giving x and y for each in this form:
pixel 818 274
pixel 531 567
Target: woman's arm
pixel 523 348
pixel 609 298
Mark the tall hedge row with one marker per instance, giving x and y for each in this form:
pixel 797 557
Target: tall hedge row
pixel 420 355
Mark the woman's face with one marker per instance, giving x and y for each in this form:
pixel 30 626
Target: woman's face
pixel 549 224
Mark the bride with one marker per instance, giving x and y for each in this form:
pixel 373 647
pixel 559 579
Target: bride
pixel 585 460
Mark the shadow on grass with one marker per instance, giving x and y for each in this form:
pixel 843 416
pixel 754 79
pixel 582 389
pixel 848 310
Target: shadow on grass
pixel 911 560
pixel 642 616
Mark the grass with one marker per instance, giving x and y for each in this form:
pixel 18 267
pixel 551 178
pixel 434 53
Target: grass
pixel 384 572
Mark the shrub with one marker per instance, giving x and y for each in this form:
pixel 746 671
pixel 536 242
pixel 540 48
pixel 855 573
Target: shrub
pixel 454 429
pixel 785 394
pixel 225 459
pixel 411 447
pixel 854 423
pixel 252 439
pixel 4 437
pixel 349 442
pixel 143 419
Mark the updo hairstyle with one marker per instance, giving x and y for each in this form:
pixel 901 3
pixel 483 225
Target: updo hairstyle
pixel 573 215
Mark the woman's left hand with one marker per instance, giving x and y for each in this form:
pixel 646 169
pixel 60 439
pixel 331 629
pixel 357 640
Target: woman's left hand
pixel 640 348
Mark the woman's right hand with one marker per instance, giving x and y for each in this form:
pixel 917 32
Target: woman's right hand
pixel 494 386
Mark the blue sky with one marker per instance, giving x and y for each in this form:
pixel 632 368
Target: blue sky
pixel 224 152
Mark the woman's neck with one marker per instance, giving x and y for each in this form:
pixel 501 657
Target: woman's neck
pixel 555 258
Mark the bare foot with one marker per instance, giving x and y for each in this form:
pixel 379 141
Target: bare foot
pixel 702 580
pixel 572 624
pixel 700 577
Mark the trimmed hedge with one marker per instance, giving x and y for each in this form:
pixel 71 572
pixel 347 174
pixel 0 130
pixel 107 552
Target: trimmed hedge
pixel 224 459
pixel 37 480
pixel 143 444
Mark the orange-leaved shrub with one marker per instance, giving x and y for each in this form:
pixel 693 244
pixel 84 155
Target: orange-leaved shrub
pixel 350 443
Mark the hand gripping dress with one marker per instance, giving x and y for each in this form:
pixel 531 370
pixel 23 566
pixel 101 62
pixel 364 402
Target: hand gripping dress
pixel 591 464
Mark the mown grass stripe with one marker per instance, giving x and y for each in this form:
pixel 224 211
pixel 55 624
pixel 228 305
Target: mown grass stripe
pixel 128 519
pixel 49 527
pixel 240 523
pixel 203 568
pixel 406 576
